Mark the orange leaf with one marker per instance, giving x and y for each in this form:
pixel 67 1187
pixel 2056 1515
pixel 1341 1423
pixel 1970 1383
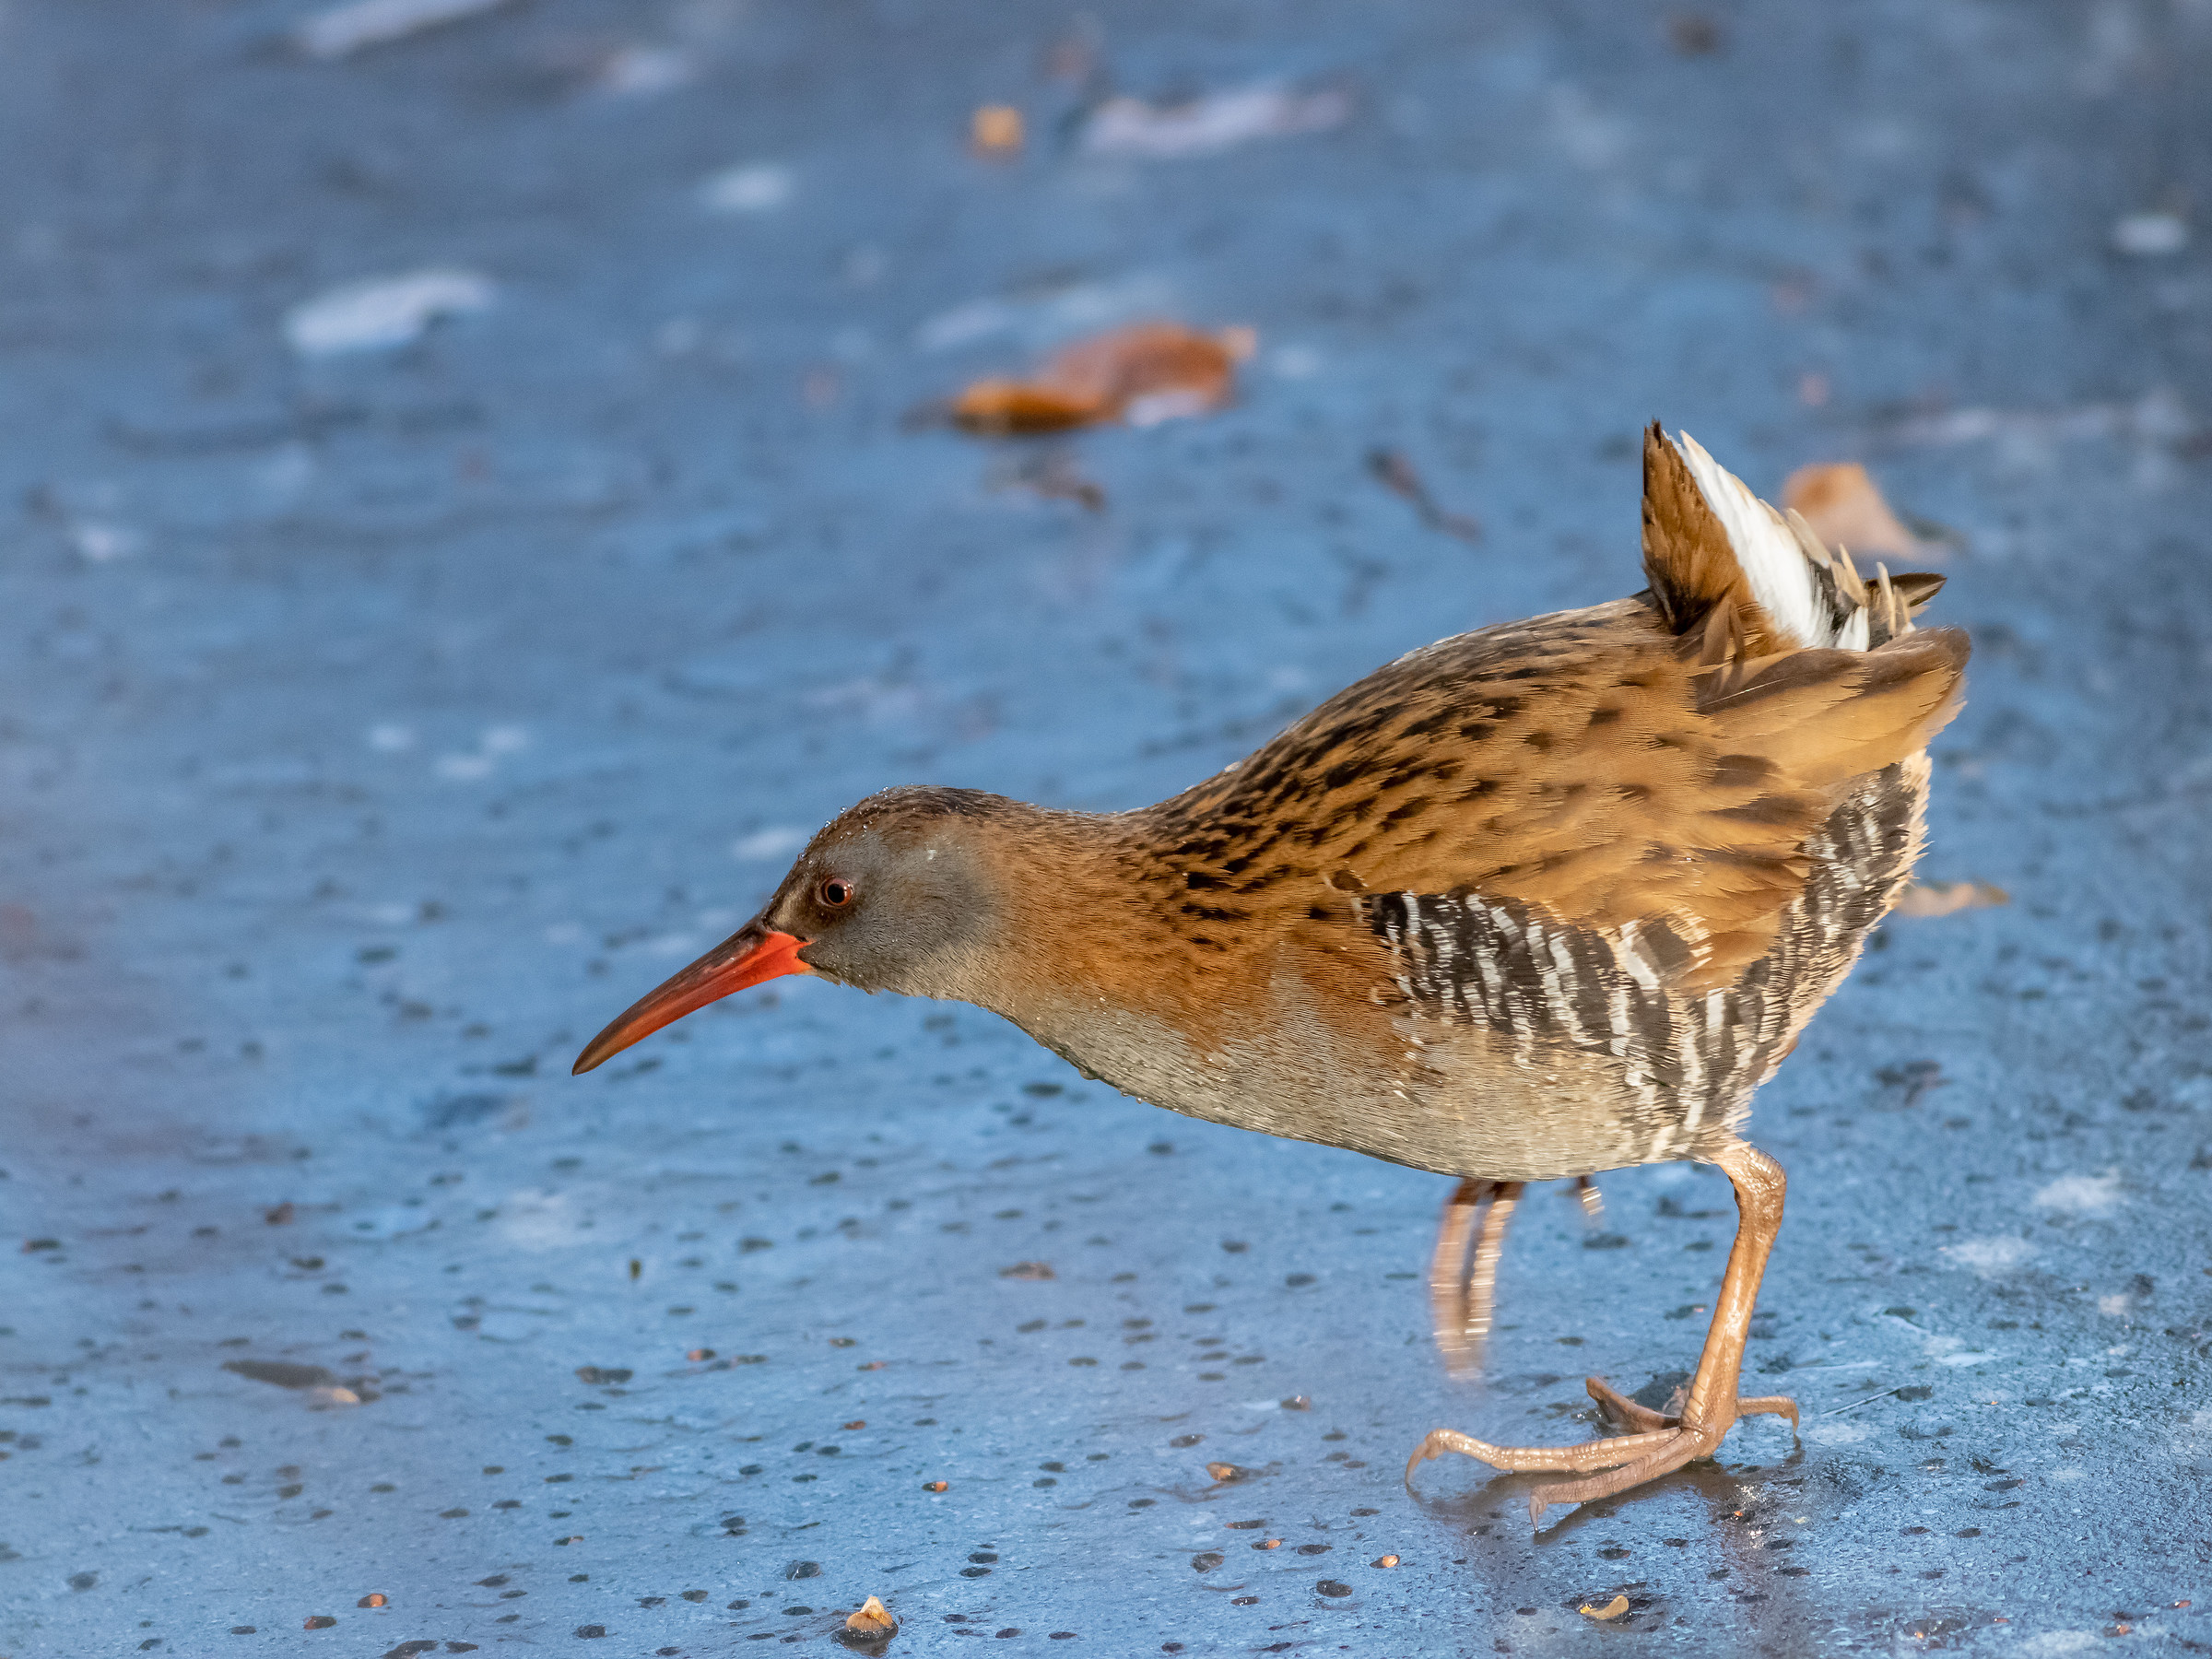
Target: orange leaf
pixel 873 1619
pixel 1846 508
pixel 1000 406
pixel 1142 373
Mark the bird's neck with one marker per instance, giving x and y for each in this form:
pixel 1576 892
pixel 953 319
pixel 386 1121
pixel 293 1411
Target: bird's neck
pixel 1086 952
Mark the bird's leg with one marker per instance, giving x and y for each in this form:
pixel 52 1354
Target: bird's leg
pixel 1592 1201
pixel 1711 1408
pixel 1463 1273
pixel 1447 1272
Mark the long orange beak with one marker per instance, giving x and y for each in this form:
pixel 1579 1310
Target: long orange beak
pixel 747 957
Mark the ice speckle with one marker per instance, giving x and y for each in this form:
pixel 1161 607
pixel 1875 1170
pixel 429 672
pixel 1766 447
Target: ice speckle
pixel 2081 1194
pixel 384 312
pixel 390 737
pixel 1294 362
pixel 99 543
pixel 346 29
pixel 754 187
pixel 643 71
pixel 389 1221
pixel 496 742
pixel 1590 137
pixel 1990 1257
pixel 778 841
pixel 538 1221
pixel 2051 1645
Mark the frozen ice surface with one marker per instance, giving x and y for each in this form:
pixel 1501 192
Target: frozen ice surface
pixel 380 723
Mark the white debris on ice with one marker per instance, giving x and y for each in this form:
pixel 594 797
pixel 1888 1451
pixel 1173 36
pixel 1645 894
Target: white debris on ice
pixel 346 29
pixel 384 312
pixel 1219 121
pixel 754 187
pixel 2150 235
pixel 2082 1195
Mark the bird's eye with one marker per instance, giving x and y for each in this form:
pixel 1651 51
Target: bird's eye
pixel 834 892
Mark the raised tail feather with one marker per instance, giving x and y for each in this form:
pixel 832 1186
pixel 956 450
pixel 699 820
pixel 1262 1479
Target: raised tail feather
pixel 1720 559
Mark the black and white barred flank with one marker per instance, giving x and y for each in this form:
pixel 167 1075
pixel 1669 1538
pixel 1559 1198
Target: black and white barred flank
pixel 1692 1058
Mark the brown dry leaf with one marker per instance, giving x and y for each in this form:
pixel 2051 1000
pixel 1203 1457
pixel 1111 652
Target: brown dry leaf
pixel 1948 898
pixel 935 1485
pixel 995 132
pixel 375 1598
pixel 1846 508
pixel 1141 374
pixel 1027 1270
pixel 1612 1609
pixel 1388 1560
pixel 873 1619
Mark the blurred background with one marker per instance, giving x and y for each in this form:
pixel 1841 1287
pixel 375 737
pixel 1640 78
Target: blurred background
pixel 482 482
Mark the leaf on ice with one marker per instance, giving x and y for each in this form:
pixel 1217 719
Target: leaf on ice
pixel 1140 374
pixel 873 1619
pixel 1946 898
pixel 1846 508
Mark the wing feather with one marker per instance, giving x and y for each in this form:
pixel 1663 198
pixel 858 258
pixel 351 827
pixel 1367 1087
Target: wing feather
pixel 1655 768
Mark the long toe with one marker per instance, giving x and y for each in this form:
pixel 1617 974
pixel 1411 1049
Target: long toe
pixel 1676 1447
pixel 1539 1460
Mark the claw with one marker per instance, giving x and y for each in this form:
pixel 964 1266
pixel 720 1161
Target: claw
pixel 1661 1442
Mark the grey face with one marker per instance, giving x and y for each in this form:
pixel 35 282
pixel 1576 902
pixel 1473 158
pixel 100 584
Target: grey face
pixel 887 911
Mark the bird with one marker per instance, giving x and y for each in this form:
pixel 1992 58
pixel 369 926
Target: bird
pixel 1533 902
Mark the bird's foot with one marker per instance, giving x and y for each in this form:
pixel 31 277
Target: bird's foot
pixel 1658 1444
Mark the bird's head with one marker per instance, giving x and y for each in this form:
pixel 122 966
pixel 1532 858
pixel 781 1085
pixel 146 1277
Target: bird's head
pixel 902 892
